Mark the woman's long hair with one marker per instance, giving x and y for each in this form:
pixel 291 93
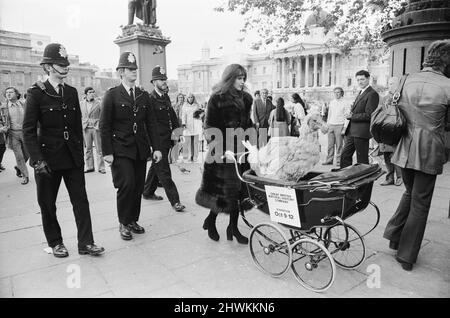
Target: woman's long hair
pixel 226 84
pixel 194 101
pixel 178 96
pixel 281 112
pixel 297 99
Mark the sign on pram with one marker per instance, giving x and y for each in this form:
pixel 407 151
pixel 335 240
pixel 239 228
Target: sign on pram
pixel 283 205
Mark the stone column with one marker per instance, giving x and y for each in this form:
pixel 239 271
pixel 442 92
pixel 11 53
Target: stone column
pixel 307 71
pixel 291 72
pixel 324 68
pixel 315 71
pixel 274 74
pixel 299 71
pixel 333 69
pixel 283 73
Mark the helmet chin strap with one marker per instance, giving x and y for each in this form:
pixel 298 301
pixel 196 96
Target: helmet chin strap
pixel 64 73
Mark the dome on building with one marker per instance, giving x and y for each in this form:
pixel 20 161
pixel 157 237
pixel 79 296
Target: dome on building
pixel 317 18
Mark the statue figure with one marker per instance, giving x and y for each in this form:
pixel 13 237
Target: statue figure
pixel 144 10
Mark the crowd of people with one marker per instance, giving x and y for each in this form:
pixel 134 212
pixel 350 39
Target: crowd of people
pixel 130 126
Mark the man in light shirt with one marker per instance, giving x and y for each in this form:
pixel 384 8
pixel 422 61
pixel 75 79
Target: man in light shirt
pixel 335 121
pixel 13 112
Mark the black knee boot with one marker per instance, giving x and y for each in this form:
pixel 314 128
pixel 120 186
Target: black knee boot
pixel 232 229
pixel 210 225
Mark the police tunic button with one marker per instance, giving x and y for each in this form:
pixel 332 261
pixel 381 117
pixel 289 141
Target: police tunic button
pixel 134 115
pixel 51 109
pixel 65 116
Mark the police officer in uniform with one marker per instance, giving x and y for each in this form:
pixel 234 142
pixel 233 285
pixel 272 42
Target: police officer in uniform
pixel 128 130
pixel 167 122
pixel 53 137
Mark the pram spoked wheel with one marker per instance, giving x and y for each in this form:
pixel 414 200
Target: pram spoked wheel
pixel 313 265
pixel 346 245
pixel 270 249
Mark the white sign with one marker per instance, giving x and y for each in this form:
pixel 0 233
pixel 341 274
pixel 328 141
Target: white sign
pixel 283 205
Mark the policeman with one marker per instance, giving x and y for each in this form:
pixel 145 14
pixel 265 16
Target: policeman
pixel 128 130
pixel 56 150
pixel 167 122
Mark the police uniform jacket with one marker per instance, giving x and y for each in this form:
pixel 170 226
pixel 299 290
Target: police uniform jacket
pixel 60 138
pixel 166 117
pixel 128 130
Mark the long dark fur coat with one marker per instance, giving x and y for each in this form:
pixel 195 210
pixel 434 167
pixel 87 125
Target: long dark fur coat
pixel 221 189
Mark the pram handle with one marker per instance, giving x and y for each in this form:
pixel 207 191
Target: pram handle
pixel 231 155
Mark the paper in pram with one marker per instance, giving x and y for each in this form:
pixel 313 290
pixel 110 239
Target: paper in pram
pixel 283 206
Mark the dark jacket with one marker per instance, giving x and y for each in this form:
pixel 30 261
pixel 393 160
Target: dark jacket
pixel 362 109
pixel 220 188
pixel 425 102
pixel 166 118
pixel 128 131
pixel 261 112
pixel 59 139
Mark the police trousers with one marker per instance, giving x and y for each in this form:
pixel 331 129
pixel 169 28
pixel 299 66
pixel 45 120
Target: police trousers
pixel 128 178
pixel 161 172
pixel 47 192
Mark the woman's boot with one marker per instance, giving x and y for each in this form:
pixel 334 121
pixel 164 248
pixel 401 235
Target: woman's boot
pixel 210 225
pixel 232 229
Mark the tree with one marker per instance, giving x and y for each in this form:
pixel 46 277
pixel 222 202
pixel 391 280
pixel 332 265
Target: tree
pixel 357 23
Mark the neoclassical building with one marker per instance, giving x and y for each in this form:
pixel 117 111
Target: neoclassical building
pixel 308 67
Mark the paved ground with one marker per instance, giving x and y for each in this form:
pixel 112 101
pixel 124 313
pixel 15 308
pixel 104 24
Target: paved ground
pixel 175 258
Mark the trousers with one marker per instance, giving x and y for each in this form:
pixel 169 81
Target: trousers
pixel 91 137
pixel 352 144
pixel 407 226
pixel 18 147
pixel 335 140
pixel 161 172
pixel 47 192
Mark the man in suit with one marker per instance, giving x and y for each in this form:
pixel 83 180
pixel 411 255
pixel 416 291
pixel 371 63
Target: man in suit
pixel 90 114
pixel 53 137
pixel 128 130
pixel 260 113
pixel 167 122
pixel 357 133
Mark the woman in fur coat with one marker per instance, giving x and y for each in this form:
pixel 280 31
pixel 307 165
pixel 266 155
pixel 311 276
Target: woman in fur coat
pixel 229 107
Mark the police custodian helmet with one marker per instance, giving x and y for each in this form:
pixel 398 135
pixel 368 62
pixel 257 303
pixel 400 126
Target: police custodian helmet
pixel 55 53
pixel 159 73
pixel 127 60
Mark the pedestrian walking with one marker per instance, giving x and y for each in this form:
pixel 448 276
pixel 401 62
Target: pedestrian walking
pixel 228 108
pixel 279 120
pixel 191 128
pixel 425 102
pixel 128 130
pixel 90 114
pixel 167 122
pixel 260 112
pixel 56 152
pixel 11 117
pixel 357 133
pixel 298 113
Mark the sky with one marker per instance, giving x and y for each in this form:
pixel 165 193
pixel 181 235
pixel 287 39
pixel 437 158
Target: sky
pixel 88 27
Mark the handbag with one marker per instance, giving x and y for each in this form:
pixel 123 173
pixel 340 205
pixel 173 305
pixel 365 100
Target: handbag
pixel 388 125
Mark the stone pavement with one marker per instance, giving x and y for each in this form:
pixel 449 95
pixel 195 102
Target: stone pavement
pixel 175 258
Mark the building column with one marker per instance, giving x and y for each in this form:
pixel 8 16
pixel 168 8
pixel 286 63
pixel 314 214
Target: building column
pixel 307 71
pixel 299 71
pixel 324 68
pixel 333 69
pixel 315 71
pixel 274 74
pixel 283 73
pixel 291 72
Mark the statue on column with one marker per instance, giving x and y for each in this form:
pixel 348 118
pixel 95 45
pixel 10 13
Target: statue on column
pixel 142 9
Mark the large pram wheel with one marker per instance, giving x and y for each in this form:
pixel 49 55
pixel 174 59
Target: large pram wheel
pixel 313 265
pixel 270 249
pixel 346 245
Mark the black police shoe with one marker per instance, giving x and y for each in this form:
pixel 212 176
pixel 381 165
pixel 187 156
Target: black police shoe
pixel 18 172
pixel 89 170
pixel 152 197
pixel 136 228
pixel 125 233
pixel 178 207
pixel 91 249
pixel 60 251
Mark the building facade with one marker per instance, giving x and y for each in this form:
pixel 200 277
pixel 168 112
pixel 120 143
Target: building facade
pixel 309 67
pixel 21 53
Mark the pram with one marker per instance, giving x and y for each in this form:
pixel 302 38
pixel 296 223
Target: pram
pixel 313 211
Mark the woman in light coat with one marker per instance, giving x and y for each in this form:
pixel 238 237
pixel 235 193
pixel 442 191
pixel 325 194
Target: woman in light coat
pixel 192 129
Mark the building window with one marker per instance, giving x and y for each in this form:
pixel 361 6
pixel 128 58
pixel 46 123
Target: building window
pixel 19 79
pixel 83 81
pixel 349 82
pixel 264 85
pixel 18 54
pixel 199 75
pixel 293 80
pixel 255 70
pixel 4 53
pixel 264 70
pixel 5 79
